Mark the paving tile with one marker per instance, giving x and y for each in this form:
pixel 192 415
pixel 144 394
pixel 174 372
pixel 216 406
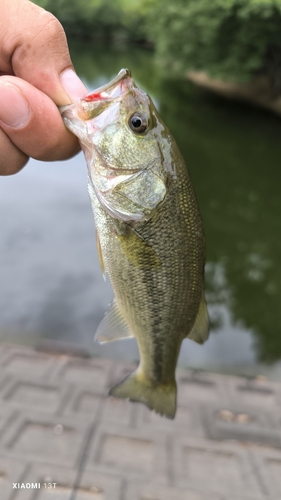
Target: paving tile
pixel 268 467
pixel 7 416
pixel 253 392
pixel 4 379
pixel 11 471
pixel 90 398
pixel 57 483
pixel 131 452
pixel 198 386
pixel 94 372
pixel 186 418
pixel 276 417
pixel 242 423
pixel 39 437
pixel 25 392
pixel 82 402
pixel 221 467
pixel 54 411
pixel 27 361
pixel 117 411
pixel 154 491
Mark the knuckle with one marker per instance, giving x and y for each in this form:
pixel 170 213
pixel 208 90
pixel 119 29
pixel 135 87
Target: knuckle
pixel 47 39
pixel 46 31
pixel 51 27
pixel 49 34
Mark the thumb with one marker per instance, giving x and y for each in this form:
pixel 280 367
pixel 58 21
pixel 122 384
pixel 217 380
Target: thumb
pixel 34 48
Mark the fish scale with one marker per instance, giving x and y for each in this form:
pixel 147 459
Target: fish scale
pixel 150 235
pixel 177 309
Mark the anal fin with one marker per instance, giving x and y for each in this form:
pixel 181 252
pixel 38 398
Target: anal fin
pixel 200 329
pixel 112 326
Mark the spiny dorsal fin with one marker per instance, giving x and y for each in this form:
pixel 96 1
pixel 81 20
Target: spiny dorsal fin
pixel 101 261
pixel 200 330
pixel 112 326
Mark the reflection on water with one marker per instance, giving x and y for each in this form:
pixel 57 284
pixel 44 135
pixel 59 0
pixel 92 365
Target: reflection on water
pixel 50 278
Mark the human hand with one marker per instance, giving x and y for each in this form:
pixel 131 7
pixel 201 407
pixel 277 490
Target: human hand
pixel 36 76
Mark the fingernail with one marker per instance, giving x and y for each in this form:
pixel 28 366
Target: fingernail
pixel 72 84
pixel 14 108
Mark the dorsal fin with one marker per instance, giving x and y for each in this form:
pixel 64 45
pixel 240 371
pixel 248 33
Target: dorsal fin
pixel 200 329
pixel 112 326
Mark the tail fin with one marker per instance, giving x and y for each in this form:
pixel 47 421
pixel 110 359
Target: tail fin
pixel 162 398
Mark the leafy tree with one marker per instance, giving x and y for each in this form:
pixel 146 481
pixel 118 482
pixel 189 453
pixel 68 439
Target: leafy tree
pixel 100 18
pixel 230 39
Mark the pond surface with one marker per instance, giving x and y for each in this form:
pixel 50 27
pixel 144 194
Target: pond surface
pixel 52 291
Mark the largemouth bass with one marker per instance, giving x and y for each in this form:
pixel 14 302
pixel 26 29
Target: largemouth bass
pixel 149 234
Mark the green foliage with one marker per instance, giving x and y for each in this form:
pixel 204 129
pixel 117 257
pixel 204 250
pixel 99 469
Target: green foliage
pixel 230 39
pixel 100 18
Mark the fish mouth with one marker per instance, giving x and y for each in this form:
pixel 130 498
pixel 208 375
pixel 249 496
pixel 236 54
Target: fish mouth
pixel 120 82
pixel 94 103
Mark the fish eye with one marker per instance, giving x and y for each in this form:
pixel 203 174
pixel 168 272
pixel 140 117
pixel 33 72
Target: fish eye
pixel 138 123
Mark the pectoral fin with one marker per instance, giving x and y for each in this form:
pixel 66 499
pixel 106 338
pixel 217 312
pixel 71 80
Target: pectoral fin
pixel 200 330
pixel 112 326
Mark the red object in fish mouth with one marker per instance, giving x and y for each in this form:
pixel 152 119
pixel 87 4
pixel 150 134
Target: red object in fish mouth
pixel 94 96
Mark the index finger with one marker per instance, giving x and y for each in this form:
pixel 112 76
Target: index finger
pixel 34 48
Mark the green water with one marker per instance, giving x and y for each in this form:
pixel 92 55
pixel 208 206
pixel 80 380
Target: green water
pixel 233 154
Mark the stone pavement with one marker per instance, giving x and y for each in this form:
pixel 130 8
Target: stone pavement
pixel 62 438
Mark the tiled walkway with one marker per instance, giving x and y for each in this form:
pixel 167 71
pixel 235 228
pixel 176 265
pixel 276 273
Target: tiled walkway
pixel 57 425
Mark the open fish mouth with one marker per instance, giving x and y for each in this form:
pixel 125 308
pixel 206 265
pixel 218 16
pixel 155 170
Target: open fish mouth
pixel 94 103
pixel 120 83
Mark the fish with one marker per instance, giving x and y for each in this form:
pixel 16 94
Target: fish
pixel 149 231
